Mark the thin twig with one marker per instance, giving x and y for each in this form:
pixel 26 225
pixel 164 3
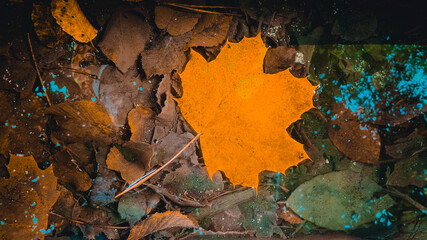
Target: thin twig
pixel 201 10
pixel 86 223
pixel 405 197
pixel 144 178
pixel 300 226
pixel 37 69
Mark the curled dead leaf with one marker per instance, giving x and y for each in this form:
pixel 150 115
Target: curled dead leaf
pixel 281 58
pixel 70 17
pixel 131 170
pixel 160 221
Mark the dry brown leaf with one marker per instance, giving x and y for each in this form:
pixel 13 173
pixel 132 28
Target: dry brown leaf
pixel 83 121
pixel 166 55
pixel 130 171
pixel 70 17
pixel 48 32
pixel 125 38
pixel 160 221
pixel 211 31
pixel 141 123
pixel 26 198
pixel 175 22
pixel 359 142
pixel 67 171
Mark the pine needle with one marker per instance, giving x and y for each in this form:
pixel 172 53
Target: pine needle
pixel 151 173
pixel 37 69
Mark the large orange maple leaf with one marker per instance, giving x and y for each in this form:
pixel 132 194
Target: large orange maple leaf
pixel 244 112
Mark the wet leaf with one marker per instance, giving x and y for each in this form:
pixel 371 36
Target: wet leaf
pixel 26 198
pixel 48 32
pixel 245 117
pixel 105 185
pixel 70 17
pixel 358 141
pixel 160 221
pixel 166 55
pixel 133 207
pixel 173 21
pixel 410 171
pixel 133 32
pixel 406 147
pixel 211 30
pixel 17 75
pixel 83 120
pixel 259 215
pixel 23 127
pixel 341 200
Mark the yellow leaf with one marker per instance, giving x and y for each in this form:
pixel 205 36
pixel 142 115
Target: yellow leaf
pixel 243 112
pixel 70 17
pixel 26 198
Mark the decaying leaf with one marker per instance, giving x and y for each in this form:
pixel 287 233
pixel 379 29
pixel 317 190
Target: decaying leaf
pixel 125 38
pixel 120 93
pixel 166 55
pixel 48 32
pixel 70 17
pixel 17 75
pixel 160 221
pixel 210 31
pixel 26 198
pixel 346 198
pixel 133 207
pixel 358 141
pixel 141 123
pixel 242 112
pixel 67 171
pixel 131 170
pixel 410 171
pixel 175 22
pixel 83 120
pixel 23 128
pixel 105 185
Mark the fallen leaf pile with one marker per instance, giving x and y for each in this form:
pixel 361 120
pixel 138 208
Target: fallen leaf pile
pixel 299 141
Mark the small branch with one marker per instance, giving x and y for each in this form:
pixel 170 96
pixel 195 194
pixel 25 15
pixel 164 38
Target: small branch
pixel 300 226
pixel 405 197
pixel 144 178
pixel 37 69
pixel 201 10
pixel 86 223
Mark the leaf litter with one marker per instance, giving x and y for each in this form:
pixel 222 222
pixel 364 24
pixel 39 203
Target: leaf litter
pixel 114 119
